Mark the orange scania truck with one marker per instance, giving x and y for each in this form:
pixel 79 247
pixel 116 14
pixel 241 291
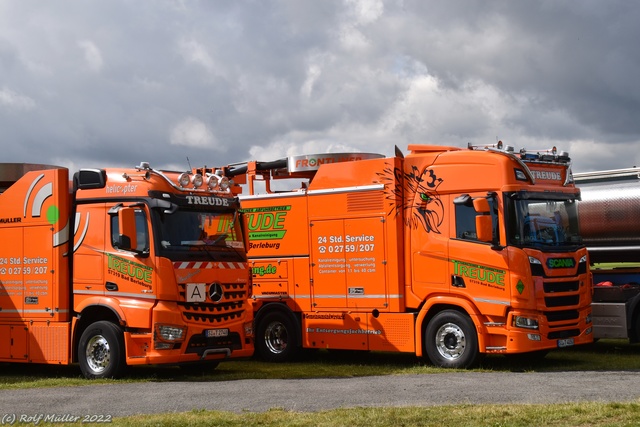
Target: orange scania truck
pixel 118 267
pixel 449 253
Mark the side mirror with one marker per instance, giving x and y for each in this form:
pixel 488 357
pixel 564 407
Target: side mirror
pixel 483 220
pixel 127 234
pixel 483 228
pixel 481 206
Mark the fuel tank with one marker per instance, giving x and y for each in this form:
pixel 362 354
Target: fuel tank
pixel 609 214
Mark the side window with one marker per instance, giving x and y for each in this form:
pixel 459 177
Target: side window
pixel 142 231
pixel 466 221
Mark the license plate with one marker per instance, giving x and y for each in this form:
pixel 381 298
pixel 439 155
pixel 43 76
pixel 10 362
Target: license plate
pixel 214 333
pixel 568 342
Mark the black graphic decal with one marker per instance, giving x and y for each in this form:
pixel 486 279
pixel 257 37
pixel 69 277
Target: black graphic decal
pixel 422 201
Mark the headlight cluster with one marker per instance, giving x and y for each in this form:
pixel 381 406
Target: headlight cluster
pixel 170 333
pixel 167 337
pixel 525 322
pixel 214 181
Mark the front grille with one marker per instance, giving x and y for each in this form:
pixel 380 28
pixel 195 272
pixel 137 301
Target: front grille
pixel 230 307
pixel 560 303
pixel 552 287
pixel 211 315
pixel 560 293
pixel 561 316
pixel 564 301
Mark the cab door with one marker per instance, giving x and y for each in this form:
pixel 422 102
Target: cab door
pixel 129 266
pixel 478 269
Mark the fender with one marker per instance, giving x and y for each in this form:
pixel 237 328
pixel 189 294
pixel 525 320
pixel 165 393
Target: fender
pixel 285 309
pixel 275 306
pixel 448 300
pixel 134 313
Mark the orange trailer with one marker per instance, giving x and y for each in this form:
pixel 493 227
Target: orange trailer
pixel 121 267
pixel 448 252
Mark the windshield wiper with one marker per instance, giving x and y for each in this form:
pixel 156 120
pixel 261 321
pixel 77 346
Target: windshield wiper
pixel 218 238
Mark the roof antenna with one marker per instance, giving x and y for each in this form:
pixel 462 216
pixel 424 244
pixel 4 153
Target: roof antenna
pixel 189 163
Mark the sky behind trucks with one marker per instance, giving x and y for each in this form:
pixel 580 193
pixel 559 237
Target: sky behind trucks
pixel 191 83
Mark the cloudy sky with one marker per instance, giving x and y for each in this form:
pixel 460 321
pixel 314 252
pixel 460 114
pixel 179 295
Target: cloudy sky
pixel 89 83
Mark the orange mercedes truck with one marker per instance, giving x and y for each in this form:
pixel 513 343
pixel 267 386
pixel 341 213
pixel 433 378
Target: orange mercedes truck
pixel 117 267
pixel 447 252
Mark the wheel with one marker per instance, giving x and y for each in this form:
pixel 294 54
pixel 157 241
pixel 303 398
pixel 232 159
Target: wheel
pixel 276 339
pixel 451 340
pixel 101 351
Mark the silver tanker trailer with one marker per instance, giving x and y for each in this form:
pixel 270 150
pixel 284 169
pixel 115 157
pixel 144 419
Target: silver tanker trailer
pixel 609 215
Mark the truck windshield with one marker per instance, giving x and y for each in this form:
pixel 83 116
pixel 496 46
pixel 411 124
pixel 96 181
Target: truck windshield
pixel 543 222
pixel 198 235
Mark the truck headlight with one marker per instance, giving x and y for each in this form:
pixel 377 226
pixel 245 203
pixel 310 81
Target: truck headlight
pixel 171 333
pixel 525 322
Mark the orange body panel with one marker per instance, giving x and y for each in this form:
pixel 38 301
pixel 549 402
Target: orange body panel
pixel 67 260
pixel 367 252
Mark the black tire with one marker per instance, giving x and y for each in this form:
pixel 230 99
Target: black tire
pixel 451 340
pixel 276 339
pixel 101 352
